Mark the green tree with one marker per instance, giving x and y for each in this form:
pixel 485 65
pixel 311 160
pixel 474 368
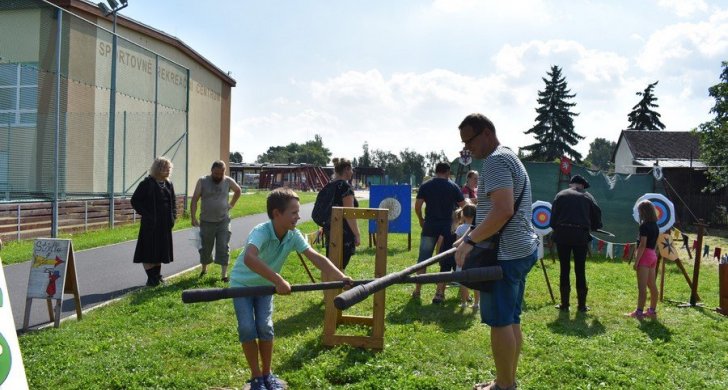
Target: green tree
pixel 413 163
pixel 554 129
pixel 312 152
pixel 431 160
pixel 642 116
pixel 390 163
pixel 236 157
pixel 600 153
pixel 365 160
pixel 714 135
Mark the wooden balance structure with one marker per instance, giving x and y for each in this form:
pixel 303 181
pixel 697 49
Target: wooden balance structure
pixel 334 317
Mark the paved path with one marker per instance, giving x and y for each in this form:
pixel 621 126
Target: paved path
pixel 107 273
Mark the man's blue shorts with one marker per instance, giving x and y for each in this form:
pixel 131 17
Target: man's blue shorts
pixel 502 305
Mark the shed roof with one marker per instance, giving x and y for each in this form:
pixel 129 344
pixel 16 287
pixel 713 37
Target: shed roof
pixel 658 145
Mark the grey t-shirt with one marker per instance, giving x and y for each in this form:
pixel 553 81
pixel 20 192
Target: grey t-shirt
pixel 214 205
pixel 503 169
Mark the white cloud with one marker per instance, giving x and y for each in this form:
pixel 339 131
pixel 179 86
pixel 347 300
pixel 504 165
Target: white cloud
pixel 684 8
pixel 684 41
pixel 594 65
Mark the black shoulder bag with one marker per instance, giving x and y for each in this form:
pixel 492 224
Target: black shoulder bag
pixel 485 253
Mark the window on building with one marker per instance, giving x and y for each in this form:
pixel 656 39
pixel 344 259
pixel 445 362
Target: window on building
pixel 18 94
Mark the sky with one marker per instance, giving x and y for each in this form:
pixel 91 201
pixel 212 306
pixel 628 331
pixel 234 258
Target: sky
pixel 403 74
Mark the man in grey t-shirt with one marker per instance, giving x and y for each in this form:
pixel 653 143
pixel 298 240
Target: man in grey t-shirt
pixel 214 223
pixel 504 202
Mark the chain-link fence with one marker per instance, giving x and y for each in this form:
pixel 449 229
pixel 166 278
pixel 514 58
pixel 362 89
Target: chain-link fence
pixel 83 112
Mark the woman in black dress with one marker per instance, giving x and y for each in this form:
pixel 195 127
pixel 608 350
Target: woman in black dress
pixel 154 200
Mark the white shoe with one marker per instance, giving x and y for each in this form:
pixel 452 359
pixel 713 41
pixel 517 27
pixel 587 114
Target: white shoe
pixel 463 305
pixel 476 306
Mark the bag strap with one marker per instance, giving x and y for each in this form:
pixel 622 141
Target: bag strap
pixel 515 208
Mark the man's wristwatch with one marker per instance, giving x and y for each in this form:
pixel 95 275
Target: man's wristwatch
pixel 469 240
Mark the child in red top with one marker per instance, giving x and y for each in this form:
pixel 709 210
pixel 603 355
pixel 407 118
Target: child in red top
pixel 646 260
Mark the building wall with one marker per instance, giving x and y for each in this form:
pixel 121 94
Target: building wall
pixel 17 142
pixel 209 133
pixel 623 159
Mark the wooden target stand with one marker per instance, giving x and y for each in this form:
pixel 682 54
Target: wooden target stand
pixel 332 316
pixel 667 252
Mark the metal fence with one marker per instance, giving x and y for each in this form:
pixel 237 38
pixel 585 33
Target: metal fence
pixel 83 111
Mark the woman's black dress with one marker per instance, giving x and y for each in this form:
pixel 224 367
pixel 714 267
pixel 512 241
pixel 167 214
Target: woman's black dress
pixel 155 202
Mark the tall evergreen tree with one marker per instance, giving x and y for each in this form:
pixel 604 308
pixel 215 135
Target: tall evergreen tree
pixel 714 135
pixel 554 129
pixel 642 117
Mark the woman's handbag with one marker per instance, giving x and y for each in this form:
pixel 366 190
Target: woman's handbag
pixel 485 253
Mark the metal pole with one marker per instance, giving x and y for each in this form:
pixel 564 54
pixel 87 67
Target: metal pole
pixel 112 125
pixel 85 216
pixel 57 170
pixel 156 102
pixel 187 139
pixel 18 222
pixel 123 164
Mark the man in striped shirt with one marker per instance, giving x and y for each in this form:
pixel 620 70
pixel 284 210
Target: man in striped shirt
pixel 504 205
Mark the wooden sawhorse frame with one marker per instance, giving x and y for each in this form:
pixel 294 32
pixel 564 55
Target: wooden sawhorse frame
pixel 332 316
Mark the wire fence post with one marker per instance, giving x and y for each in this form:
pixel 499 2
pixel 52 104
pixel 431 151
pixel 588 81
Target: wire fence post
pixel 112 124
pixel 187 141
pixel 57 169
pixel 85 216
pixel 123 159
pixel 18 238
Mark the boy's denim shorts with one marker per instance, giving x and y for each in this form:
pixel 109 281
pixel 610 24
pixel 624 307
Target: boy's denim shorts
pixel 255 318
pixel 502 305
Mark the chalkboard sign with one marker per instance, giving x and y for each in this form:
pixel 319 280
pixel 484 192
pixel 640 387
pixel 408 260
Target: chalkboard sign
pixel 52 274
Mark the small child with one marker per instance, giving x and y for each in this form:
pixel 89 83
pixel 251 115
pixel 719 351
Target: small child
pixel 464 218
pixel 266 250
pixel 647 260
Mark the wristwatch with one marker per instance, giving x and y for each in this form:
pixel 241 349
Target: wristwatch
pixel 469 240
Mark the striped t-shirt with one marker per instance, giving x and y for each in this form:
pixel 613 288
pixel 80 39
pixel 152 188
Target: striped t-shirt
pixel 503 169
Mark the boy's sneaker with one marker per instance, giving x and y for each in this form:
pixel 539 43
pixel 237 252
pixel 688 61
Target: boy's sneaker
pixel 476 306
pixel 273 382
pixel 650 313
pixel 463 305
pixel 257 383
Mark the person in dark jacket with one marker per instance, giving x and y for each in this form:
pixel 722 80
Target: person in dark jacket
pixel 574 214
pixel 344 197
pixel 154 200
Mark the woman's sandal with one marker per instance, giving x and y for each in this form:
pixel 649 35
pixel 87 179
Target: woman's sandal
pixel 492 386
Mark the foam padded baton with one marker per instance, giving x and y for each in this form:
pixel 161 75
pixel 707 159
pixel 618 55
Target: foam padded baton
pixel 214 294
pixel 357 294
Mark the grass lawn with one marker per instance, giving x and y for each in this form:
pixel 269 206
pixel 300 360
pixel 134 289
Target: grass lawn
pixel 151 340
pixel 20 251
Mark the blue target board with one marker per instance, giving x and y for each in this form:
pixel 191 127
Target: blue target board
pixel 396 199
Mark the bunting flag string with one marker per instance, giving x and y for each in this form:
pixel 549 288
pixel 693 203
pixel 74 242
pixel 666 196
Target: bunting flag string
pixel 627 249
pixel 610 250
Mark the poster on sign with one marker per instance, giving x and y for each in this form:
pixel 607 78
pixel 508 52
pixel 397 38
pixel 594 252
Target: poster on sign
pixel 48 268
pixel 12 371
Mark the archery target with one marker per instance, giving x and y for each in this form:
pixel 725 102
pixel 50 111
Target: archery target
pixel 541 217
pixel 664 208
pixel 394 207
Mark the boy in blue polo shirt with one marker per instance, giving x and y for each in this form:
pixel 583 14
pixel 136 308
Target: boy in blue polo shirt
pixel 265 252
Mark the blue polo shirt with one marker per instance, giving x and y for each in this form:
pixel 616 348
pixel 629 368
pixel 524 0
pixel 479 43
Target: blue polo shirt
pixel 272 251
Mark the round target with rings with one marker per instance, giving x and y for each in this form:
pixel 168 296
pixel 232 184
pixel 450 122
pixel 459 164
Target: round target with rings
pixel 663 207
pixel 541 217
pixel 394 207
